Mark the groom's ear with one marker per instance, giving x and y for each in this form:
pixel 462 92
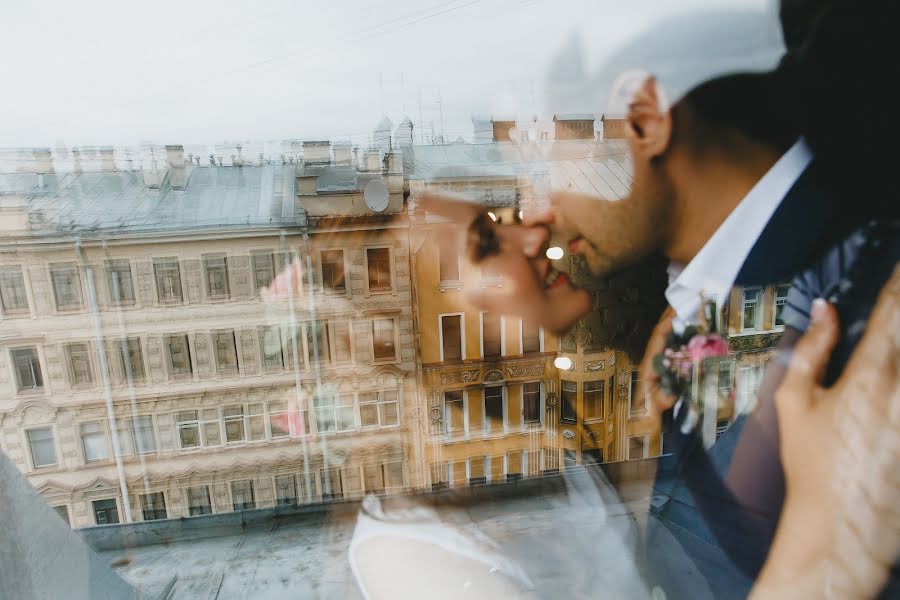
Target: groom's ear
pixel 649 121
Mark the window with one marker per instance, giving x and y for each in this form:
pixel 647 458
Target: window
pixel 333 270
pixel 66 286
pixel 216 268
pixel 531 402
pixel 570 459
pixel 136 435
pixel 454 412
pixel 226 352
pixel 285 490
pixel 636 447
pixel 592 456
pixel 568 398
pixel 493 409
pixel 256 422
pixel 449 261
pixel 278 420
pixel 188 429
pixel 331 484
pixel 106 512
pixel 28 369
pixel 263 270
pixel 593 399
pixel 451 337
pixel 242 495
pixel 378 478
pixel 636 403
pixel 726 380
pixel 119 281
pixel 271 347
pixel 131 359
pixel 477 471
pixel 153 506
pixel 340 334
pixel 781 294
pixel 751 309
pixel 234 423
pixel 335 413
pixel 43 452
pixel 93 441
pixel 168 280
pixel 63 512
pixel 383 339
pixel 531 337
pixel 491 335
pixel 178 354
pixel 378 261
pixel 198 501
pixel 378 409
pixel 317 342
pixel 13 299
pixel 78 356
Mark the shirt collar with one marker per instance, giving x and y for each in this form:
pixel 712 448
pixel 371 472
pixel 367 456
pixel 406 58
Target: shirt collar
pixel 714 269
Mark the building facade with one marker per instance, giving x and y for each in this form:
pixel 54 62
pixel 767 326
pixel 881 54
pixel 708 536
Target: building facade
pixel 143 372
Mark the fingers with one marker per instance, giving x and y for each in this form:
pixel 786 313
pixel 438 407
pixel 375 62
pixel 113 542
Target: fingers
pixel 648 384
pixel 811 355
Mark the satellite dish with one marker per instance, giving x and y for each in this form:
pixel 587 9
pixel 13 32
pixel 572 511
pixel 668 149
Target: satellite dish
pixel 376 195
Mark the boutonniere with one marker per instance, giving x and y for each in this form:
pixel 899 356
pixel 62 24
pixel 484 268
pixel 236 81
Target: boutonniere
pixel 680 363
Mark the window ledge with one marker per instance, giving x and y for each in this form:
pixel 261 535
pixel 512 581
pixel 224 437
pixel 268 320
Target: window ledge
pixel 450 284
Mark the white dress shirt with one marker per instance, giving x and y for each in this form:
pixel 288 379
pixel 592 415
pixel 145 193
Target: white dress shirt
pixel 712 272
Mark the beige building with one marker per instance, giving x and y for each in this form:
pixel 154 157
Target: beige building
pixel 142 373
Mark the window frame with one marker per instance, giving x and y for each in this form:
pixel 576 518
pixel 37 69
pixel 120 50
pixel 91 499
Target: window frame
pixel 758 309
pixel 205 261
pixel 378 403
pixel 144 506
pixel 102 432
pixel 112 266
pixel 170 369
pixel 392 283
pixel 779 302
pixel 220 370
pixel 635 408
pixel 645 446
pixel 78 287
pixel 157 262
pixel 504 409
pixel 14 270
pixel 32 462
pixel 502 340
pixel 522 337
pixel 541 408
pixel 188 498
pixel 445 428
pixel 563 417
pixel 395 328
pixel 70 366
pixel 462 334
pixel 600 392
pixel 321 268
pixel 37 371
pixel 253 494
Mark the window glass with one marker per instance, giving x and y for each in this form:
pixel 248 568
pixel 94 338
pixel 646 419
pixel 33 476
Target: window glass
pixel 531 337
pixel 531 402
pixel 168 280
pixel 198 501
pixel 66 286
pixel 493 408
pixel 153 506
pixel 79 357
pixel 491 332
pixel 383 339
pixel 263 270
pixel 454 416
pixel 593 399
pixel 121 285
pixel 242 497
pixel 568 400
pixel 43 451
pixel 28 369
pixel 216 276
pixel 781 294
pixel 378 266
pixel 451 337
pixel 179 355
pixel 226 352
pixel 106 512
pixel 333 270
pixel 93 441
pixel 13 298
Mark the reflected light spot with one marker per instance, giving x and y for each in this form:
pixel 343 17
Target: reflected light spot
pixel 554 253
pixel 563 362
pixel 521 214
pixel 492 216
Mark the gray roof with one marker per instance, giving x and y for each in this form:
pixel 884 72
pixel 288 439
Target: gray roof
pixel 120 201
pixel 602 169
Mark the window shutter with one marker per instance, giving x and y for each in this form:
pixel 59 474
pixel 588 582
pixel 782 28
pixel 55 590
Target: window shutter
pixel 143 282
pixel 40 287
pixel 240 280
pixel 203 356
pixel 193 275
pixel 249 351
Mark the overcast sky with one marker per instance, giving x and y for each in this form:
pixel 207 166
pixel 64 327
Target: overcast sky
pixel 108 73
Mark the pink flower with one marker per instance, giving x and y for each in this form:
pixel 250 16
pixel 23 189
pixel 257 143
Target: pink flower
pixel 707 346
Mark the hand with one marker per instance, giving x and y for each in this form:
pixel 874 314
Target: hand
pixel 840 447
pixel 524 267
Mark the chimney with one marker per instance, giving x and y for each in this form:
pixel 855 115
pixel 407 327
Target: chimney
pixel 175 166
pixel 373 161
pixel 343 154
pixel 107 159
pixel 395 162
pixel 308 185
pixel 76 160
pixel 501 130
pixel 43 160
pixel 151 175
pixel 317 152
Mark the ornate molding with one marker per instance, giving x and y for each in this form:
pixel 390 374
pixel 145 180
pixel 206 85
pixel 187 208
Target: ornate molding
pixel 526 370
pixel 750 343
pixel 466 376
pixel 492 376
pixel 594 365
